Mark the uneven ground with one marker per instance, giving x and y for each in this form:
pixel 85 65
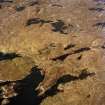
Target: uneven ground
pixel 52 52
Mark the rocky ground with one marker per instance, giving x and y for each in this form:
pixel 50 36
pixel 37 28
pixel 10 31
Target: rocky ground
pixel 52 52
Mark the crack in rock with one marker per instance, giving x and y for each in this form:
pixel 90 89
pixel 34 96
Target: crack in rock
pixel 8 56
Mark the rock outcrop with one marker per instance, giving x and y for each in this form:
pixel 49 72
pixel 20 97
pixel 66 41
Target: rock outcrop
pixel 52 52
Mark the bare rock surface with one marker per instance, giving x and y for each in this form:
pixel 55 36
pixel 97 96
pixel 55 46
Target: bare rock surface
pixel 52 52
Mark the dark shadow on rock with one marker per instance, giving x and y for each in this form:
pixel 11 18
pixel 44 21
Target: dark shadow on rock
pixel 99 24
pixel 61 57
pixel 69 46
pixel 19 8
pixel 0 6
pixel 9 1
pixel 96 9
pixel 8 56
pixel 26 89
pixel 79 57
pixel 100 1
pixel 32 3
pixel 26 3
pixel 84 74
pixel 57 5
pixel 60 26
pixel 103 46
pixel 82 50
pixel 37 21
pixel 65 79
pixel 64 56
pixel 62 80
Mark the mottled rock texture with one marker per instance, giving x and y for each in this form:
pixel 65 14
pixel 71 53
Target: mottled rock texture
pixel 52 52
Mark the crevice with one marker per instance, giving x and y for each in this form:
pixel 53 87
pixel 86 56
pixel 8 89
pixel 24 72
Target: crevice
pixel 99 24
pixel 57 5
pixel 100 1
pixel 2 83
pixel 26 87
pixel 61 57
pixel 84 74
pixel 8 56
pixel 65 79
pixel 62 80
pixel 64 56
pixel 60 26
pixel 8 1
pixel 103 46
pixel 23 5
pixel 96 9
pixel 69 46
pixel 32 3
pixel 0 6
pixel 81 50
pixel 79 57
pixel 19 8
pixel 37 21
